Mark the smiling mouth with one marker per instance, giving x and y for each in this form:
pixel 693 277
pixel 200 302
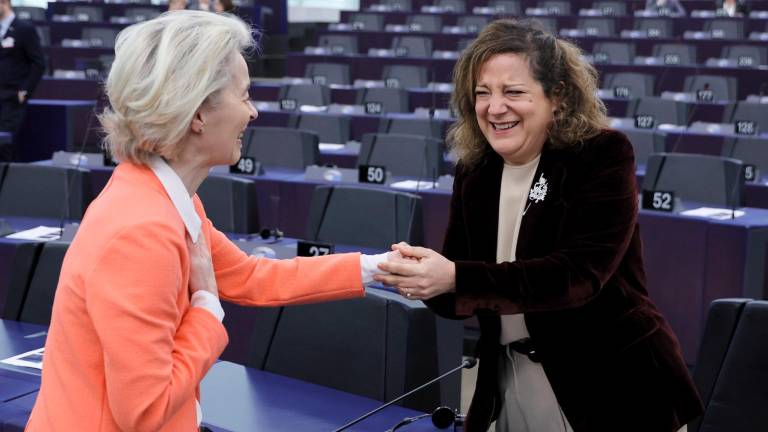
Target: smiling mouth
pixel 504 126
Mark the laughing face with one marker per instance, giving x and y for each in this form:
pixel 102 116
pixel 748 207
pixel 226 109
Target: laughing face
pixel 511 109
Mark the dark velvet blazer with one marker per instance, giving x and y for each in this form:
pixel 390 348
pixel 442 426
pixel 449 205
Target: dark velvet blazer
pixel 612 360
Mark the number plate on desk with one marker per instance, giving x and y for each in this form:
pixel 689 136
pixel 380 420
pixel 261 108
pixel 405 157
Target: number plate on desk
pixel 372 174
pixel 745 127
pixel 659 200
pixel 246 165
pixel 750 173
pixel 312 249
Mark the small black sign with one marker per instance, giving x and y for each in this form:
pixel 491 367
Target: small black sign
pixel 337 49
pixel 745 127
pixel 672 59
pixel 750 173
pixel 621 92
pixel 608 10
pixel 472 28
pixel 373 107
pixel 313 249
pixel 654 32
pixel 645 121
pixel 664 11
pixel 592 31
pixel 401 51
pixel 718 34
pixel 358 25
pixel 659 200
pixel 246 165
pixel 392 82
pixel 288 104
pixel 745 61
pixel 371 174
pixel 415 27
pixel 705 95
pixel 319 79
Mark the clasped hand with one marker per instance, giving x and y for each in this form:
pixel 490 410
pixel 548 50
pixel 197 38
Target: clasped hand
pixel 418 273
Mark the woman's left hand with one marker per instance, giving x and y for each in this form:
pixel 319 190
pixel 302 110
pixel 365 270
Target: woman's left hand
pixel 425 275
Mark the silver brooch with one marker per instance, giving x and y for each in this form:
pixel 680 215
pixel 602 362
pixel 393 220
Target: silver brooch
pixel 539 190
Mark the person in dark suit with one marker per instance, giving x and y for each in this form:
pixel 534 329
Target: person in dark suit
pixel 732 8
pixel 21 67
pixel 543 246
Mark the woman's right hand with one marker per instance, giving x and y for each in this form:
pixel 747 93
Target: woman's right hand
pixel 201 276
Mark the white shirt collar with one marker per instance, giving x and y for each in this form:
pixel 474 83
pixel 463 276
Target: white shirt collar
pixel 5 23
pixel 179 195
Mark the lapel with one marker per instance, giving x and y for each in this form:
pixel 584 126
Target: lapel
pixel 481 203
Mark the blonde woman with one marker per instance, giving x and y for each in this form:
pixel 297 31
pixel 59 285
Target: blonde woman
pixel 137 321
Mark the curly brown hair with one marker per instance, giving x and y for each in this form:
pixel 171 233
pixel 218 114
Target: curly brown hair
pixel 555 63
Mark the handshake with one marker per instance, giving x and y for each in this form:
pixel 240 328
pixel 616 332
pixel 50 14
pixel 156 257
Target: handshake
pixel 418 273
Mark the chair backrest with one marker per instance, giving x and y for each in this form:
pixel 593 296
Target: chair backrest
pixel 413 156
pixel 674 53
pixel 91 13
pixel 45 191
pixel 702 179
pixel 630 84
pixel 750 150
pixel 428 23
pixel 305 94
pixel 749 111
pixel 399 5
pixel 722 320
pixel 141 13
pixel 411 126
pixel 38 302
pixel 391 99
pixel 30 13
pixel 19 267
pixel 600 27
pixel 230 203
pixel 366 217
pixel 328 73
pixel 556 7
pixel 329 128
pixel 282 147
pixel 473 23
pixel 613 52
pixel 656 27
pixel 105 35
pixel 725 28
pixel 666 111
pixel 339 44
pixel 645 143
pixel 398 344
pixel 412 46
pixel 739 398
pixel 44 33
pixel 506 7
pixel 613 8
pixel 746 55
pixel 712 87
pixel 456 6
pixel 367 22
pixel 405 76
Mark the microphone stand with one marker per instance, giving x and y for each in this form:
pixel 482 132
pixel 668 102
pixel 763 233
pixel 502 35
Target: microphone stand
pixel 468 364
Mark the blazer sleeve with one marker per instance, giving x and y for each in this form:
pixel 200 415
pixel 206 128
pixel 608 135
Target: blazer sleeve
pixel 599 222
pixel 255 281
pixel 455 247
pixel 154 355
pixel 34 53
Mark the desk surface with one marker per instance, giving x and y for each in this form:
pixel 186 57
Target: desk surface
pixel 234 397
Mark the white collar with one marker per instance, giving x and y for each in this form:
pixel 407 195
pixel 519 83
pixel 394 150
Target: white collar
pixel 179 195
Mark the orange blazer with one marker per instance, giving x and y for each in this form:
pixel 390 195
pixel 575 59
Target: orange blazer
pixel 125 350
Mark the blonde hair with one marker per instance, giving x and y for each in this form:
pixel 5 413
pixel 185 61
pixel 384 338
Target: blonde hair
pixel 556 64
pixel 164 70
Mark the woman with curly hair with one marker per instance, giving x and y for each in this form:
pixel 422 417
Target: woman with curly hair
pixel 543 246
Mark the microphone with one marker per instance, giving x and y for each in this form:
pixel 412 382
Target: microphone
pixel 466 364
pixel 442 417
